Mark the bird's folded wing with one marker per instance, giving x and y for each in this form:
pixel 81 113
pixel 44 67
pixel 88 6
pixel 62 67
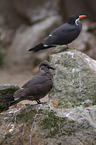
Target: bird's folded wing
pixel 35 80
pixel 60 35
pixel 40 89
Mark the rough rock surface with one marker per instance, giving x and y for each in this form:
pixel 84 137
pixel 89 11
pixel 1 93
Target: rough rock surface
pixel 74 78
pixel 29 37
pixel 13 13
pixel 86 42
pixel 64 119
pixel 5 90
pixel 69 7
pixel 35 10
pixel 45 124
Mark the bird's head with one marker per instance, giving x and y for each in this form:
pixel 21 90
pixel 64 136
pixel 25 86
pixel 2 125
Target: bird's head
pixel 45 66
pixel 75 18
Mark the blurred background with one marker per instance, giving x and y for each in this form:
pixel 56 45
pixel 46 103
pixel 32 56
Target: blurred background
pixel 23 24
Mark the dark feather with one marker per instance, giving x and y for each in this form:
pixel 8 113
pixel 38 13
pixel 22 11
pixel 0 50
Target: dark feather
pixel 39 47
pixel 8 98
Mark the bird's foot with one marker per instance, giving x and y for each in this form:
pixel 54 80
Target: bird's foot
pixel 38 101
pixel 69 47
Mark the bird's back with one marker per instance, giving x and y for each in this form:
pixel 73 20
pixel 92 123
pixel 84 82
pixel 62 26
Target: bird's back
pixel 37 91
pixel 38 79
pixel 64 34
pixel 38 86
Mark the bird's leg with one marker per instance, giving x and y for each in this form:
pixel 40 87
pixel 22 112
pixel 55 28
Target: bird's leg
pixel 38 101
pixel 68 46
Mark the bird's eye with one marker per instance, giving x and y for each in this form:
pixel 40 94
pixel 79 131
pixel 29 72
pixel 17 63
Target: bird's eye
pixel 76 21
pixel 41 68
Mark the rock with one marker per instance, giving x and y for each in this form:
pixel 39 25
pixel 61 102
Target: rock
pixel 69 7
pixel 44 124
pixel 5 90
pixel 86 42
pixel 1 56
pixel 8 15
pixel 65 118
pixel 92 27
pixel 24 39
pixel 6 37
pixel 36 10
pixel 74 78
pixel 14 13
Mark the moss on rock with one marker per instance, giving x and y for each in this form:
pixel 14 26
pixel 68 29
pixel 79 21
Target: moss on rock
pixel 6 90
pixel 74 78
pixel 44 124
pixel 63 120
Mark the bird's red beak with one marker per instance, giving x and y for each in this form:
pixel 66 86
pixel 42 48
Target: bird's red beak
pixel 82 16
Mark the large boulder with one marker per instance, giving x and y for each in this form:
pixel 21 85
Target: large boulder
pixel 69 116
pixel 74 78
pixel 6 90
pixel 8 15
pixel 35 11
pixel 13 13
pixel 45 124
pixel 86 42
pixel 69 7
pixel 1 56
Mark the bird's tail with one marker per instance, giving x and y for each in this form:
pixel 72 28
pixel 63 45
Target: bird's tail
pixel 8 98
pixel 39 47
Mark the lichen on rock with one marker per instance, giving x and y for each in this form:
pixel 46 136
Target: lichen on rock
pixel 5 90
pixel 69 117
pixel 74 78
pixel 45 124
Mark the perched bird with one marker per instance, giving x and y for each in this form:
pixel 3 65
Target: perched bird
pixel 63 35
pixel 34 89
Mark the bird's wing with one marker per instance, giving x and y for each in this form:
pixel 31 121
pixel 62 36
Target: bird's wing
pixel 38 89
pixel 34 91
pixel 18 94
pixel 62 35
pixel 65 28
pixel 39 78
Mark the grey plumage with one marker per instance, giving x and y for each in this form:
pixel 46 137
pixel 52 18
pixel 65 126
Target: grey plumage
pixel 63 35
pixel 36 88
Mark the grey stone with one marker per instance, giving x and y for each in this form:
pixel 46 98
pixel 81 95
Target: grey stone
pixel 9 16
pixel 86 42
pixel 44 124
pixel 5 90
pixel 14 13
pixel 64 119
pixel 69 7
pixel 74 78
pixel 36 10
pixel 24 39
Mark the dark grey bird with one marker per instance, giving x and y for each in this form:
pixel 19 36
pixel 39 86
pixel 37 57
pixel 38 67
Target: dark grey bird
pixel 36 88
pixel 63 35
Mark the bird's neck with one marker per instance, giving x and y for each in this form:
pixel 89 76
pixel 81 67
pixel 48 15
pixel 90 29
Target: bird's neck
pixel 47 74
